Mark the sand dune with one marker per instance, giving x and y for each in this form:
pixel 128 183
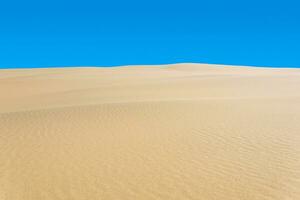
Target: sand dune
pixel 185 131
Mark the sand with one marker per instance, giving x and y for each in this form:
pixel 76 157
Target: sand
pixel 184 131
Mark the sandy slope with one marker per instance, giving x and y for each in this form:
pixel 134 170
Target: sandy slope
pixel 185 131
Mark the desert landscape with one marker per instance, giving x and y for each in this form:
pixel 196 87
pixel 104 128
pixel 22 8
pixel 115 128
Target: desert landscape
pixel 181 131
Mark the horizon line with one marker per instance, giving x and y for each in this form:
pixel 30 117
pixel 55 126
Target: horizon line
pixel 136 65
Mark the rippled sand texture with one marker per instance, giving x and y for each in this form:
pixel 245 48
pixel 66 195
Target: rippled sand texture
pixel 185 131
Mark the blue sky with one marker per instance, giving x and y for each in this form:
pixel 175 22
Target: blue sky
pixel 108 33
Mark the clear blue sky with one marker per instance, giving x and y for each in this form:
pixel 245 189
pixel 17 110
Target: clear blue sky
pixel 107 33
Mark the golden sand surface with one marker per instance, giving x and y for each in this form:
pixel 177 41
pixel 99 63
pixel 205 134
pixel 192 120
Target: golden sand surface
pixel 183 131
